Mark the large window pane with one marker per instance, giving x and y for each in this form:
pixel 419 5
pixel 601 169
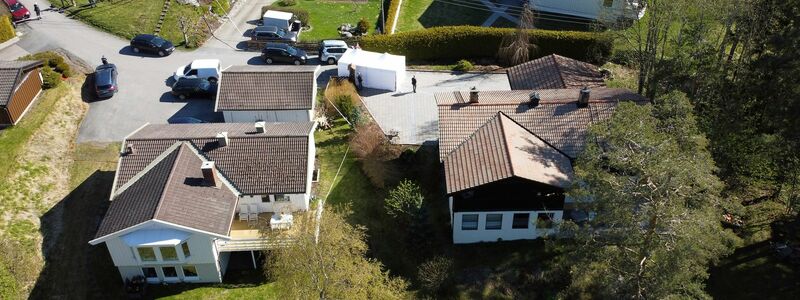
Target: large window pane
pixel 469 222
pixel 494 221
pixel 545 220
pixel 150 273
pixel 170 272
pixel 146 254
pixel 189 271
pixel 168 253
pixel 185 248
pixel 521 221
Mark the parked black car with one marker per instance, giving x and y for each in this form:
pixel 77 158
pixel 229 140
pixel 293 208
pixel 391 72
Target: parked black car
pixel 105 80
pixel 273 34
pixel 276 52
pixel 152 44
pixel 193 87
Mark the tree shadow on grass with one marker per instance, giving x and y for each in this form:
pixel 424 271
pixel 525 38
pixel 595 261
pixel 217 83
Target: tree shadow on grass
pixel 74 269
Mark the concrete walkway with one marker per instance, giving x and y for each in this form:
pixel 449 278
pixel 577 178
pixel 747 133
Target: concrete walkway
pixel 414 116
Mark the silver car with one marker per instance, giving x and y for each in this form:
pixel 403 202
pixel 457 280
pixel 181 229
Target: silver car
pixel 331 50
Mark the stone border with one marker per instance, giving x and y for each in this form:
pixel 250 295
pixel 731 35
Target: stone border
pixel 8 43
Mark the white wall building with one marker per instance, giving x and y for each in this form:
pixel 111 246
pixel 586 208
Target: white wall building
pixel 603 10
pixel 181 189
pixel 248 94
pixel 381 71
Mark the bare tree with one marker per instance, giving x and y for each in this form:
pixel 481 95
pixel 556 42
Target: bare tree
pixel 516 48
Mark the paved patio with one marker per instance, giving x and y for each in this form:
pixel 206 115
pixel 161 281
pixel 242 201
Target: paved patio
pixel 414 115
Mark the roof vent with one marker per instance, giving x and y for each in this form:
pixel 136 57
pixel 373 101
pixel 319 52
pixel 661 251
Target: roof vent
pixel 210 176
pixel 222 139
pixel 534 99
pixel 473 95
pixel 129 149
pixel 260 127
pixel 583 98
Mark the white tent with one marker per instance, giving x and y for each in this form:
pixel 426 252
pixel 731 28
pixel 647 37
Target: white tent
pixel 379 71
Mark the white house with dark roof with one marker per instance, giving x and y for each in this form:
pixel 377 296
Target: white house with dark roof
pixel 249 94
pixel 507 156
pixel 186 196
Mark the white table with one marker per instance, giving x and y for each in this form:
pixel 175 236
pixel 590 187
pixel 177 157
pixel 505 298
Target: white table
pixel 281 221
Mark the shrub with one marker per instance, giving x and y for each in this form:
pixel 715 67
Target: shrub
pixel 347 107
pixel 394 9
pixel 404 202
pixel 458 42
pixel 50 78
pixel 6 29
pixel 299 13
pixel 463 66
pixel 362 27
pixel 220 7
pixel 375 153
pixel 285 3
pixel 433 275
pixel 53 60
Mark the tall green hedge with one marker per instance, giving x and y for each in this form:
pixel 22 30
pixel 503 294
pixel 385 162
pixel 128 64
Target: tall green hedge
pixel 458 42
pixel 6 29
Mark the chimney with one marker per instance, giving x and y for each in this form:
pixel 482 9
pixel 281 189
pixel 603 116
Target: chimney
pixel 129 149
pixel 210 176
pixel 260 127
pixel 534 99
pixel 222 139
pixel 473 95
pixel 583 99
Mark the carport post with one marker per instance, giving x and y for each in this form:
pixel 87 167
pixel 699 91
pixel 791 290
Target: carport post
pixel 253 256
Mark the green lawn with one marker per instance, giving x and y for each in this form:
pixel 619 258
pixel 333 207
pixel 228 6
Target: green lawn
pixel 419 14
pixel 325 17
pixel 127 18
pixel 216 291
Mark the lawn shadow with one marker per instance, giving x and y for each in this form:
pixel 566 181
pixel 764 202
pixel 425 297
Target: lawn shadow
pixel 74 269
pixel 444 14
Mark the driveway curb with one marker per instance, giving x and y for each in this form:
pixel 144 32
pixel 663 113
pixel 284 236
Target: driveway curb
pixel 9 43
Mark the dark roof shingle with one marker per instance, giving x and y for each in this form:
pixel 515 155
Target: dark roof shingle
pixel 554 72
pixel 11 73
pixel 267 88
pixel 273 162
pixel 171 189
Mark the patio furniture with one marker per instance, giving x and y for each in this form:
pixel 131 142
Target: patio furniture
pixel 281 221
pixel 243 212
pixel 253 215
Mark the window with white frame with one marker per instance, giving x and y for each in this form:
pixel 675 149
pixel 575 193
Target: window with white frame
pixel 494 221
pixel 189 273
pixel 469 222
pixel 146 253
pixel 168 253
pixel 185 248
pixel 281 198
pixel 150 274
pixel 169 273
pixel 545 220
pixel 521 221
pixel 264 198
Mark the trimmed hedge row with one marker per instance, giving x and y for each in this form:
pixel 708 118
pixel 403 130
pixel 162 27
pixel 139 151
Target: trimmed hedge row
pixel 6 29
pixel 394 9
pixel 300 13
pixel 458 42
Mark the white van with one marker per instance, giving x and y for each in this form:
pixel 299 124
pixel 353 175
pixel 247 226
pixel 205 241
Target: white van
pixel 200 68
pixel 283 20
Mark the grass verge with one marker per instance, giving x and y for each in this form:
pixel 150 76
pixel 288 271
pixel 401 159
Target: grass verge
pixel 420 14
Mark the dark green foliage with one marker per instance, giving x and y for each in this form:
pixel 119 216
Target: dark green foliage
pixel 457 42
pixel 53 60
pixel 299 13
pixel 405 202
pixel 50 78
pixel 362 27
pixel 463 66
pixel 220 7
pixel 6 29
pixel 348 108
pixel 285 3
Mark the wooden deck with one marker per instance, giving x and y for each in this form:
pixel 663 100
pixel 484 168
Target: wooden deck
pixel 249 230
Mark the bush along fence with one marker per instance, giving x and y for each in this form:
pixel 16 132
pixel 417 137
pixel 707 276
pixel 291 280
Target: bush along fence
pixel 452 43
pixel 391 15
pixel 6 29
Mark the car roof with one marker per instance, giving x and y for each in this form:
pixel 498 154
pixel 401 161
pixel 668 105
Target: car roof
pixel 334 43
pixel 103 76
pixel 204 63
pixel 277 45
pixel 266 28
pixel 190 81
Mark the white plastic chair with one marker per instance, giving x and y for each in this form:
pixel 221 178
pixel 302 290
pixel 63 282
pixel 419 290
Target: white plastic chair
pixel 243 212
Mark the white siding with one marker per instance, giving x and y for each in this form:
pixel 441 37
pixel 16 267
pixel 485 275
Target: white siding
pixel 590 9
pixel 268 116
pixel 297 202
pixel 202 255
pixel 506 232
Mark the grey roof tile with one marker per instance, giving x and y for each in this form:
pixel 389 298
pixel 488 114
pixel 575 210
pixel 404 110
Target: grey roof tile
pixel 554 72
pixel 267 88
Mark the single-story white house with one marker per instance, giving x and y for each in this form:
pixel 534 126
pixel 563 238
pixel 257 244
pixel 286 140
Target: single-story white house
pixel 249 94
pixel 507 157
pixel 186 196
pixel 381 71
pixel 603 10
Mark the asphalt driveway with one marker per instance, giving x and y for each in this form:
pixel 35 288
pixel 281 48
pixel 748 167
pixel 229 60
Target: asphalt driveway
pixel 414 116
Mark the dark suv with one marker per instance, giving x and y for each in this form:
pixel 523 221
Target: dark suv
pixel 275 52
pixel 105 80
pixel 193 87
pixel 152 44
pixel 273 34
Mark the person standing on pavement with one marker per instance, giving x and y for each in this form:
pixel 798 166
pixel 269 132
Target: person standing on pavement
pixel 360 82
pixel 37 10
pixel 414 82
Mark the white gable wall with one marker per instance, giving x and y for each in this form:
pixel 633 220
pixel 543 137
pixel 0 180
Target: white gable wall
pixel 506 232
